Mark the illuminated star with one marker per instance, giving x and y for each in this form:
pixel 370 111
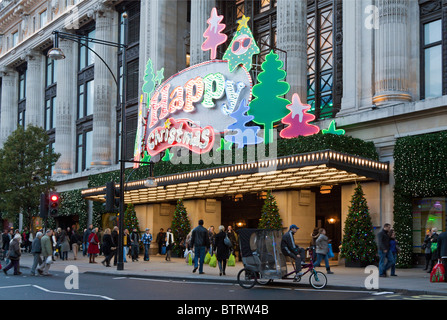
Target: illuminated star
pixel 243 22
pixel 297 107
pixel 167 124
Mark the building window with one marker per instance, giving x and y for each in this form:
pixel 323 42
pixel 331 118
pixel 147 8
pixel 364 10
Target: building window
pixel 86 92
pixel 15 39
pixel 132 8
pixel 86 56
pixel 22 95
pixel 50 96
pixel 432 58
pixel 84 145
pixel 321 51
pixel 43 18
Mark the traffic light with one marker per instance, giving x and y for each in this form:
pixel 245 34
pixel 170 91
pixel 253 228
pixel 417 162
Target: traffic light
pixel 54 200
pixel 43 205
pixel 112 197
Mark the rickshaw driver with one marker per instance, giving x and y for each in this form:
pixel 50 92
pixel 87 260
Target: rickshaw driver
pixel 289 248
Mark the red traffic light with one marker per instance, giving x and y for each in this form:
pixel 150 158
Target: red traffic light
pixel 54 197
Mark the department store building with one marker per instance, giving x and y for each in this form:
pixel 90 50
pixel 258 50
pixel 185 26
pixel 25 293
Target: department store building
pixel 376 67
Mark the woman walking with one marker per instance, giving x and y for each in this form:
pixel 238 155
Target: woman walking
pixel 14 255
pixel 322 245
pixel 93 248
pixel 64 245
pixel 108 247
pixel 221 250
pixel 169 243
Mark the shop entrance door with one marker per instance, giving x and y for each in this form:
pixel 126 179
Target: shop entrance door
pixel 328 215
pixel 241 211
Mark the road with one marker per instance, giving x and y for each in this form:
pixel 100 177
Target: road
pixel 85 286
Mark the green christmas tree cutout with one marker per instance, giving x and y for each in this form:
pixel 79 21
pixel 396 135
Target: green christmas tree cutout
pixel 358 244
pixel 224 145
pixel 168 156
pixel 270 218
pixel 268 106
pixel 332 129
pixel 242 47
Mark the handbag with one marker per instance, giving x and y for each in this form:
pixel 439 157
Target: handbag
pixel 438 273
pixel 231 261
pixel 49 260
pixel 190 259
pixel 227 241
pixel 163 250
pixel 213 261
pixel 330 253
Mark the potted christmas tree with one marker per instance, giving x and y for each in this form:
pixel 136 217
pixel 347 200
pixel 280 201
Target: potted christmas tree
pixel 359 247
pixel 270 218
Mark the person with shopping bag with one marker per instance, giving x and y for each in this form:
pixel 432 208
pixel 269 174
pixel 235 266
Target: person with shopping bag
pixel 200 242
pixel 322 248
pixel 442 250
pixel 221 250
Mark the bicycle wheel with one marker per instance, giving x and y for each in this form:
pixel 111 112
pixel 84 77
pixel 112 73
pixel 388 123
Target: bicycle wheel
pixel 246 278
pixel 318 279
pixel 263 281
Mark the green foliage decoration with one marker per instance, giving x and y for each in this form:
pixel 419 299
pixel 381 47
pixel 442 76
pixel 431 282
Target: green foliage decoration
pixel 420 164
pixel 181 225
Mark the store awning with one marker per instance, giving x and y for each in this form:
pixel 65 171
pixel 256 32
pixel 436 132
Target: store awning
pixel 300 171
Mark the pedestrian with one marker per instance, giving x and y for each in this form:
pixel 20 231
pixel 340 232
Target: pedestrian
pixel 221 250
pixel 426 246
pixel 433 243
pixel 85 237
pixel 322 249
pixel 93 245
pixel 36 250
pixel 146 239
pixel 115 239
pixel 134 244
pixel 56 249
pixel 75 241
pixel 442 250
pixel 126 244
pixel 385 254
pixel 200 243
pixel 169 244
pixel 6 239
pixel 394 248
pixel 211 235
pixel 161 236
pixel 14 255
pixel 47 253
pixel 108 247
pixel 314 236
pixel 64 245
pixel 233 238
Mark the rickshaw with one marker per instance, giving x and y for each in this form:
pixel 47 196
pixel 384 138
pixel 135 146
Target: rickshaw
pixel 263 260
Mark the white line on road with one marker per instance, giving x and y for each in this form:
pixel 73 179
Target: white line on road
pixel 73 293
pixel 17 286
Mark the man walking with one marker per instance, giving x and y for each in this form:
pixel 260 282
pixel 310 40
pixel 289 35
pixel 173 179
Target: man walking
pixel 385 253
pixel 200 242
pixel 442 250
pixel 47 252
pixel 146 239
pixel 36 249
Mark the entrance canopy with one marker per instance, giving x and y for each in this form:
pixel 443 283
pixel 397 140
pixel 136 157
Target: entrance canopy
pixel 299 171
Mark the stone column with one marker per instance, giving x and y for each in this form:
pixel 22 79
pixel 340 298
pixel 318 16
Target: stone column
pixel 392 53
pixel 65 108
pixel 200 13
pixel 9 103
pixel 35 86
pixel 292 38
pixel 104 86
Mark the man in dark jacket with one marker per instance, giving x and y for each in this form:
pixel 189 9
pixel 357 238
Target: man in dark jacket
pixel 442 250
pixel 289 248
pixel 385 253
pixel 200 242
pixel 36 250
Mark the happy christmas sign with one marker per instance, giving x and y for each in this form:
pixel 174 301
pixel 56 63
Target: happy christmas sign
pixel 191 108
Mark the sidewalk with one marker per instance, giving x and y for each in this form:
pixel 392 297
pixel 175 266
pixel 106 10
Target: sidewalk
pixel 413 281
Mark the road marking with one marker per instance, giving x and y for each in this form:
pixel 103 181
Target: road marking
pixel 182 281
pixel 73 293
pixel 17 286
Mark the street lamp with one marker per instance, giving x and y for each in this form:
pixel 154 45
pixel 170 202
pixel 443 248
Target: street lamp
pixel 57 54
